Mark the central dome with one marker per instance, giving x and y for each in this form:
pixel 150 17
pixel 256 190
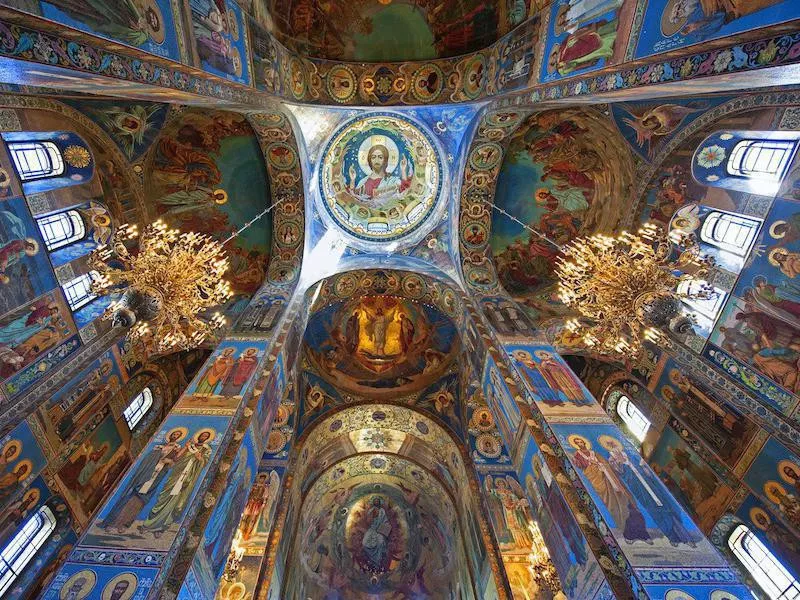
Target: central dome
pixel 381 177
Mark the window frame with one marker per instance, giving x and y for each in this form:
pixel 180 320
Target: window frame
pixel 735 166
pixel 20 550
pixel 75 301
pixel 138 407
pixel 633 417
pixel 700 306
pixel 741 541
pixel 70 222
pixel 41 149
pixel 711 223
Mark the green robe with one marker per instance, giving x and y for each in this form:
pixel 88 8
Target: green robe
pixel 177 490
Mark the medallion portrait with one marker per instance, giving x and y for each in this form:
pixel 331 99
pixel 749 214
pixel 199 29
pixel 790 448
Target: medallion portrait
pixel 381 177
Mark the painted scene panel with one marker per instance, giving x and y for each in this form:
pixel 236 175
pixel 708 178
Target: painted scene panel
pixel 39 369
pixel 774 476
pixel 147 508
pixel 761 327
pixel 652 528
pixel 772 533
pixel 583 37
pixel 670 24
pixel 224 377
pixel 31 330
pixel 25 272
pixel 724 429
pixel 220 38
pixel 21 459
pixel 69 407
pixel 690 479
pixel 555 387
pixel 94 467
pixel 149 25
pixel 580 573
pixel 100 582
pixel 500 402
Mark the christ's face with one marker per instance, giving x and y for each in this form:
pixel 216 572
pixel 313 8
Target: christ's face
pixel 377 161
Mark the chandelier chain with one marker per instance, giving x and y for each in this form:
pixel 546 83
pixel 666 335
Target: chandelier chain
pixel 253 220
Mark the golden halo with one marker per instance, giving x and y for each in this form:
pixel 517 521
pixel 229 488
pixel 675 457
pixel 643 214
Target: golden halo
pixel 678 595
pixel 521 355
pixel 220 196
pixel 575 437
pixel 15 443
pixel 675 376
pixel 183 430
pixel 774 491
pixel 773 254
pixel 148 8
pixel 19 465
pixel 237 61
pixel 240 590
pixel 34 243
pixel 669 27
pixel 212 434
pixel 34 493
pixel 607 442
pixel 788 463
pixel 542 354
pixel 85 589
pixel 721 595
pixel 759 512
pixel 101 220
pixel 133 582
pixel 772 229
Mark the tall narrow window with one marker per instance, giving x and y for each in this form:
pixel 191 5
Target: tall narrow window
pixel 23 546
pixel 36 160
pixel 633 417
pixel 62 229
pixel 79 291
pixel 761 159
pixel 138 407
pixel 766 569
pixel 729 231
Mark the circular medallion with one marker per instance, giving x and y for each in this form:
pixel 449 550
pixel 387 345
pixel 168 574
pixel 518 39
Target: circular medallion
pixel 276 441
pixel 503 119
pixel 486 156
pixel 427 83
pixel 297 78
pixel 413 286
pixel 281 156
pixel 341 83
pixel 474 76
pixel 488 446
pixel 381 178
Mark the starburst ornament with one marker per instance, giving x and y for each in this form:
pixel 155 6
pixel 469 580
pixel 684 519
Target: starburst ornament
pixel 169 285
pixel 627 288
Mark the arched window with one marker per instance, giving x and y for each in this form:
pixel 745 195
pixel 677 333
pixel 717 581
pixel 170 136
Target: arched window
pixel 728 231
pixel 765 159
pixel 23 546
pixel 36 160
pixel 79 291
pixel 138 407
pixel 61 229
pixel 766 569
pixel 634 418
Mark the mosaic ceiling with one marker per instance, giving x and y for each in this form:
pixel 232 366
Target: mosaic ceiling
pixel 369 31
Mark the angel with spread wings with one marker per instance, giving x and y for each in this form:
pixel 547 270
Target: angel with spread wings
pixel 658 121
pixel 510 511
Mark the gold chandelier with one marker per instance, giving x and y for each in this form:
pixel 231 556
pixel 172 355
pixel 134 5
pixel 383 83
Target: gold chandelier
pixel 171 283
pixel 627 288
